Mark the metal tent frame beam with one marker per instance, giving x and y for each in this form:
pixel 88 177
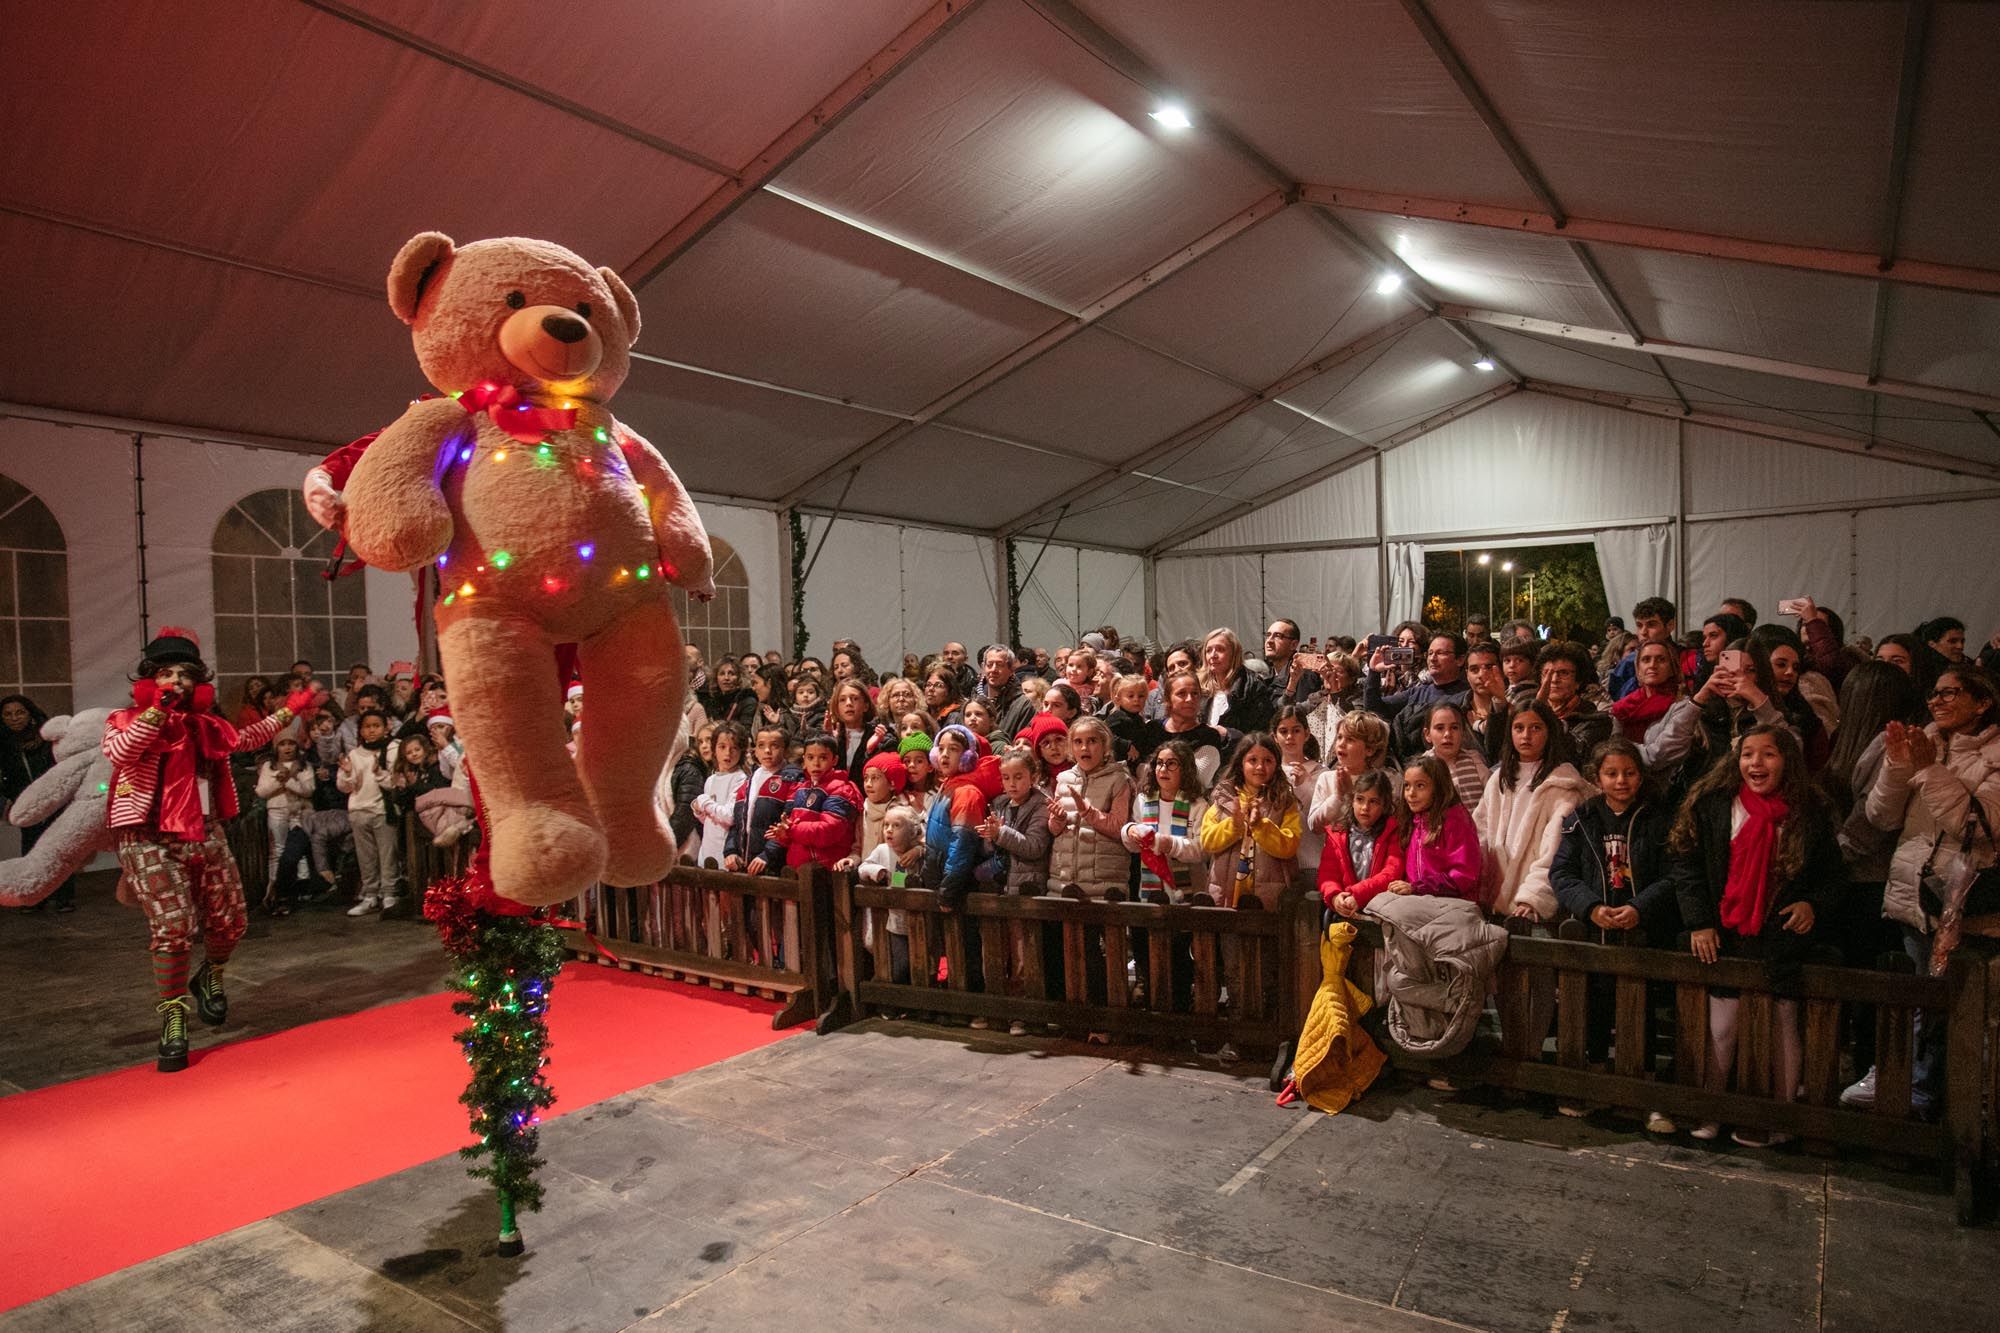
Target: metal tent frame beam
pixel 1913 455
pixel 1640 236
pixel 1763 365
pixel 803 133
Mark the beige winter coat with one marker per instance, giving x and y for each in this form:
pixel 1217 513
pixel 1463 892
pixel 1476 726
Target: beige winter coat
pixel 1934 809
pixel 1520 830
pixel 1080 854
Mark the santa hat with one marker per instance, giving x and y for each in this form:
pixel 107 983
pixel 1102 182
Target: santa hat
pixel 174 644
pixel 890 767
pixel 437 718
pixel 575 691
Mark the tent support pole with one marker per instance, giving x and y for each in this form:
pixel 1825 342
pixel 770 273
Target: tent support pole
pixel 1028 577
pixel 787 592
pixel 831 519
pixel 1151 570
pixel 1004 606
pixel 1681 516
pixel 1382 543
pixel 139 519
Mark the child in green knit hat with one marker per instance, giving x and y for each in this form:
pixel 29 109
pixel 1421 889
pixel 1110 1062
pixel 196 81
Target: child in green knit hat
pixel 915 752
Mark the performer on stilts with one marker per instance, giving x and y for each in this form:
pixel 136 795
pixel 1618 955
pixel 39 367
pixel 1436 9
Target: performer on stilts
pixel 171 790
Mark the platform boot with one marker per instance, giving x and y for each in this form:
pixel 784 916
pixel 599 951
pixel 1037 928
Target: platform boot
pixel 206 988
pixel 173 1036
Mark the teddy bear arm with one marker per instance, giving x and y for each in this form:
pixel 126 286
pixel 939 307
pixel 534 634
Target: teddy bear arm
pixel 397 517
pixel 677 528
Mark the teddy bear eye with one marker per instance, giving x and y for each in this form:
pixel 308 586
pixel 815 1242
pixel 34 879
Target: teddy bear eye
pixel 583 308
pixel 515 300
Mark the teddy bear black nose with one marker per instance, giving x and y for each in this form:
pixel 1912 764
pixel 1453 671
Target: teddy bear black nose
pixel 565 328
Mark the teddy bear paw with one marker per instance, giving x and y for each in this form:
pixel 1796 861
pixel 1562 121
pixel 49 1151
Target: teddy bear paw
pixel 638 856
pixel 543 855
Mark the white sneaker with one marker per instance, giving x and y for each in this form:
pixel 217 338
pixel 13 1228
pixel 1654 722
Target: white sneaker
pixel 1705 1131
pixel 1861 1095
pixel 389 903
pixel 1760 1138
pixel 979 1024
pixel 1227 1054
pixel 1017 1029
pixel 368 904
pixel 1658 1124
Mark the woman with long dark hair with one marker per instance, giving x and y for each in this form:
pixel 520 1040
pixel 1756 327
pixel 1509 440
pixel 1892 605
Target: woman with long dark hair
pixel 25 756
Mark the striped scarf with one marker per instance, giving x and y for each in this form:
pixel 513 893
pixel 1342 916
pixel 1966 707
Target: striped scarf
pixel 1172 820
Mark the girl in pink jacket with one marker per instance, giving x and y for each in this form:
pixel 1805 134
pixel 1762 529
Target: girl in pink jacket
pixel 1442 856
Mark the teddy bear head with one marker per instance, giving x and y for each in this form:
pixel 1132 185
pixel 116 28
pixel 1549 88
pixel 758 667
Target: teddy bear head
pixel 514 311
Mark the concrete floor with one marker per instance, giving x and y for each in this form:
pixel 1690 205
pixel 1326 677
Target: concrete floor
pixel 897 1175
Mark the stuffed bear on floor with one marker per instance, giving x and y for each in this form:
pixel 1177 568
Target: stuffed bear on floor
pixel 551 523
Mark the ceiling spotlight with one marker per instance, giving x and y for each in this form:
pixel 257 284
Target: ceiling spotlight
pixel 1173 115
pixel 1483 363
pixel 1388 283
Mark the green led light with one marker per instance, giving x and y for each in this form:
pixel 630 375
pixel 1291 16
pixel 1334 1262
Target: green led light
pixel 603 435
pixel 645 571
pixel 501 559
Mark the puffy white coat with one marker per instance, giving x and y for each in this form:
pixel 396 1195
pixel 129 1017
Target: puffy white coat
pixel 1934 809
pixel 1520 830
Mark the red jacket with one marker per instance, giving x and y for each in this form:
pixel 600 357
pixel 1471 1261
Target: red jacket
pixel 155 765
pixel 822 821
pixel 1336 870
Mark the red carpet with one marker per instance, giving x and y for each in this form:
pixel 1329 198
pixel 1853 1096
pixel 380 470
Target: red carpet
pixel 108 1171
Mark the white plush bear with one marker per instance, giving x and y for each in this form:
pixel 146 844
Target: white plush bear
pixel 76 792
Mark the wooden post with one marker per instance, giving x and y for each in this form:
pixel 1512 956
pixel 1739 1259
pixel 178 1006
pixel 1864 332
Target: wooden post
pixel 1965 1039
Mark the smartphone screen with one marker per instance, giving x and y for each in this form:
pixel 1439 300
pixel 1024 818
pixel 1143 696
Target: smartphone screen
pixel 1732 660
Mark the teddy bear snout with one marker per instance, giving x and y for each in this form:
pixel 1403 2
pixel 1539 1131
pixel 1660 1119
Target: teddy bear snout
pixel 551 344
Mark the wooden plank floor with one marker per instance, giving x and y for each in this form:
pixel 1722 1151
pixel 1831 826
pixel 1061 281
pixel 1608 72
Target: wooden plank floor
pixel 897 1175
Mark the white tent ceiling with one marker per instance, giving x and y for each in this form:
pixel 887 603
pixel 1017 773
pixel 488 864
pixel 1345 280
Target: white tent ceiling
pixel 937 259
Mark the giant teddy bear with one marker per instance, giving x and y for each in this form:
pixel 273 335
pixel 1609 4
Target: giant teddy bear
pixel 551 523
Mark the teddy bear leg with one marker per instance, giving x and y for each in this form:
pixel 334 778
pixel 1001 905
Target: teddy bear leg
pixel 546 843
pixel 634 680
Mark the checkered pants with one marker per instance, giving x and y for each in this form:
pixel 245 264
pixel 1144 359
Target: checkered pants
pixel 184 884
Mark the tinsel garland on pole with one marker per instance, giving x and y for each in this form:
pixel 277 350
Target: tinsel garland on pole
pixel 1013 597
pixel 799 635
pixel 504 964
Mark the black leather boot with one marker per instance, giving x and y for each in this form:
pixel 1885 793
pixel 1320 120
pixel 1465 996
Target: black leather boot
pixel 173 1036
pixel 206 988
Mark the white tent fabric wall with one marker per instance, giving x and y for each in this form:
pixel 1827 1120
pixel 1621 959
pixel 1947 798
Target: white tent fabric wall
pixel 1406 582
pixel 1074 590
pixel 1341 506
pixel 1636 563
pixel 1768 560
pixel 1193 595
pixel 84 476
pixel 1327 592
pixel 1530 461
pixel 1730 473
pixel 895 589
pixel 1908 575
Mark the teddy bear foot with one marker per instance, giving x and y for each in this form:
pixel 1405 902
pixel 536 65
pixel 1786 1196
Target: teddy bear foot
pixel 635 857
pixel 543 856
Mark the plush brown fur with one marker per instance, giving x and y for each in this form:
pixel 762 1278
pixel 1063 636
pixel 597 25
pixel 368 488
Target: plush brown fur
pixel 556 825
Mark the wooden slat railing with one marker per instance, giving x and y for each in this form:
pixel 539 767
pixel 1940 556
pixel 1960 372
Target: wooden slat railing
pixel 766 935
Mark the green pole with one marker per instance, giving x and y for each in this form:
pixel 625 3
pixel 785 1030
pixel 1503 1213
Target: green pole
pixel 511 1245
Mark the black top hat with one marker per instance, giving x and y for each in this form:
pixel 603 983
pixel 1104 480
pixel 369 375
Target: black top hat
pixel 174 644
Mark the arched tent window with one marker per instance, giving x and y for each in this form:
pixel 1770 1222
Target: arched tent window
pixel 34 600
pixel 272 607
pixel 721 628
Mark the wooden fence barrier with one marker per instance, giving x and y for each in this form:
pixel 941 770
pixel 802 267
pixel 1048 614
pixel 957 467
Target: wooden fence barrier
pixel 1123 968
pixel 1656 1002
pixel 761 935
pixel 425 863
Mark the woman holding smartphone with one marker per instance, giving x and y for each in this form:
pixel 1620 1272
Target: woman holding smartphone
pixel 1739 694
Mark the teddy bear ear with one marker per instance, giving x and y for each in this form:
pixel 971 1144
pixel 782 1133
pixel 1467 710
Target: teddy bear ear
pixel 414 265
pixel 628 305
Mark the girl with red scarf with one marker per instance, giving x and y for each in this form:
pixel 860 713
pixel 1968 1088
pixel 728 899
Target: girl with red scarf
pixel 171 790
pixel 1755 860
